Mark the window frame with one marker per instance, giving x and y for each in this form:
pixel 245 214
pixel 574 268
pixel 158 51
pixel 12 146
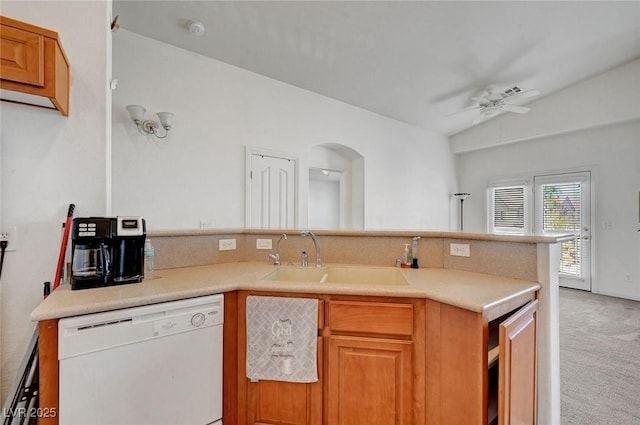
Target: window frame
pixel 527 205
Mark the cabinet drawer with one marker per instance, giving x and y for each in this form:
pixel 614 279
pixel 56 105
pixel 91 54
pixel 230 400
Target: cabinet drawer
pixel 371 317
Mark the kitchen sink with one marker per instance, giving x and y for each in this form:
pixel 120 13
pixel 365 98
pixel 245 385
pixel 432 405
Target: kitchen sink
pixel 296 274
pixel 339 275
pixel 366 275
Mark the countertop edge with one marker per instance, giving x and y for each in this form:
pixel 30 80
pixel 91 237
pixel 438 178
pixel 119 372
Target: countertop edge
pixel 235 278
pixel 526 238
pixel 101 307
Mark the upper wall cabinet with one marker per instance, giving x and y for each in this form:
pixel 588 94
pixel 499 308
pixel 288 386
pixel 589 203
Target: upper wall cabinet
pixel 33 67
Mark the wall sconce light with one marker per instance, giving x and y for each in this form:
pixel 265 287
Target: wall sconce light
pixel 145 127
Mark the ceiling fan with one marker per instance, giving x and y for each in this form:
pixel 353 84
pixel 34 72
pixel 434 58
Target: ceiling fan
pixel 491 102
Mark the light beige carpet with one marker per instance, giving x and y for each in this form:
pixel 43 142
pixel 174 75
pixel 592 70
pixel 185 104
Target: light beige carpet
pixel 599 359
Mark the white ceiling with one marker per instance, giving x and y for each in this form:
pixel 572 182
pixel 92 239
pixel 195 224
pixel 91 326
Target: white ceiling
pixel 415 61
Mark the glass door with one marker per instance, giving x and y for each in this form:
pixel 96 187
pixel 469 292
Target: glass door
pixel 563 205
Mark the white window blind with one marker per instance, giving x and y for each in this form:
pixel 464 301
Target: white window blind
pixel 561 206
pixel 507 209
pixel 562 212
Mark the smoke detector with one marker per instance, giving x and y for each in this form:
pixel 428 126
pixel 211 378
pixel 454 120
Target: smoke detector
pixel 196 28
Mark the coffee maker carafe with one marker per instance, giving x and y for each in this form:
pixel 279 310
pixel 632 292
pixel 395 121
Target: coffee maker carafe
pixel 107 251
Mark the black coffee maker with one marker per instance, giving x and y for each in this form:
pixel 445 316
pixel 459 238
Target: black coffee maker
pixel 107 251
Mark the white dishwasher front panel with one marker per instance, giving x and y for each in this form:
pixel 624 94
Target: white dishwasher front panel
pixel 155 365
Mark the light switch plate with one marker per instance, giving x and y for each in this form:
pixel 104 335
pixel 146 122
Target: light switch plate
pixel 226 244
pixel 460 249
pixel 264 244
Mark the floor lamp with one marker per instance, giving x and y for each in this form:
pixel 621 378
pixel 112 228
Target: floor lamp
pixel 462 197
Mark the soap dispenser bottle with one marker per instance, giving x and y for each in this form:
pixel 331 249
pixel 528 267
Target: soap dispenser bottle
pixel 414 253
pixel 405 257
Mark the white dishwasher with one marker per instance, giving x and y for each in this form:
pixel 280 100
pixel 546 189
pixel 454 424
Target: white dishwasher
pixel 150 365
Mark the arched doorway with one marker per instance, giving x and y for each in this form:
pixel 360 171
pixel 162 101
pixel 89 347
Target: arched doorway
pixel 336 187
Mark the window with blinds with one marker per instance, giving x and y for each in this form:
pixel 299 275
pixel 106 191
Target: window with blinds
pixel 507 209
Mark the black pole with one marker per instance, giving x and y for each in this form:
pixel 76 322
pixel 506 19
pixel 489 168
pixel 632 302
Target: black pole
pixel 462 196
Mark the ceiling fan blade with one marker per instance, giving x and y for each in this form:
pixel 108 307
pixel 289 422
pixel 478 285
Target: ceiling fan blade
pixel 475 108
pixel 515 108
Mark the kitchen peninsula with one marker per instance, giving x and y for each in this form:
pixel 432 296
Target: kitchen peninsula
pixel 450 305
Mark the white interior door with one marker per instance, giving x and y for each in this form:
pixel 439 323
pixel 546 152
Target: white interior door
pixel 563 204
pixel 272 196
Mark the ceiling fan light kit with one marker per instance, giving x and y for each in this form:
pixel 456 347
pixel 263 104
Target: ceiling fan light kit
pixel 490 110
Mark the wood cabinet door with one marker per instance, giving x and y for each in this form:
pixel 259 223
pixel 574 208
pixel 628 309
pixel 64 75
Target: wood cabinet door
pixel 517 384
pixel 22 56
pixel 369 381
pixel 286 403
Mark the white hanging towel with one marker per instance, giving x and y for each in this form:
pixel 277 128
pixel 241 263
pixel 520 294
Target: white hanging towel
pixel 282 339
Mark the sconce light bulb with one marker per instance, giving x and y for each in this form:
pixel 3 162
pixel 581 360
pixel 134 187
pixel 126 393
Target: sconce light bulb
pixel 136 113
pixel 166 119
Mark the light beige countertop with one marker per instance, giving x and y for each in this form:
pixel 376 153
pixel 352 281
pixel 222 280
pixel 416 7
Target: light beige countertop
pixel 471 291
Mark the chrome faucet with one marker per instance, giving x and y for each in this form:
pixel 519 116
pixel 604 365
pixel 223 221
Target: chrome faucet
pixel 315 244
pixel 276 257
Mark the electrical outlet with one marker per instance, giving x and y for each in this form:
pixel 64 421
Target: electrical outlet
pixel 226 244
pixel 264 244
pixel 628 278
pixel 10 234
pixel 459 249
